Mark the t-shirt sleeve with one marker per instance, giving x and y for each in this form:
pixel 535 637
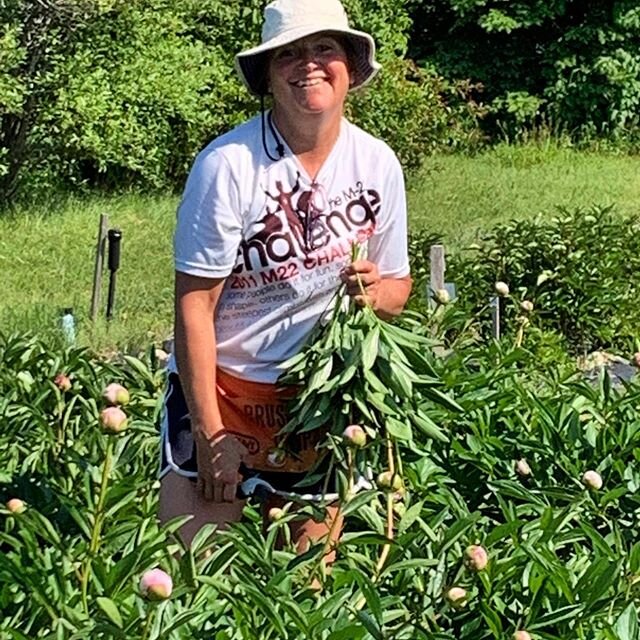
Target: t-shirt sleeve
pixel 209 224
pixel 387 246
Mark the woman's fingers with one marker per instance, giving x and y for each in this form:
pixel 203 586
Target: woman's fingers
pixel 360 275
pixel 219 459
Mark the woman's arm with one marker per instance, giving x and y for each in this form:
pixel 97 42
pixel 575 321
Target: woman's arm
pixel 218 453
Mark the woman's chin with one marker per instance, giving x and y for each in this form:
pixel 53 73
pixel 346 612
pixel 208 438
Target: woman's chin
pixel 317 106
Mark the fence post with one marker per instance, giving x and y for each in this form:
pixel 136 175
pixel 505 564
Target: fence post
pixel 437 262
pixel 495 317
pixel 97 273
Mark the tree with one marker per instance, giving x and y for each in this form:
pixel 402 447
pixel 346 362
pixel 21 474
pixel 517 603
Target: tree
pixel 574 62
pixel 35 33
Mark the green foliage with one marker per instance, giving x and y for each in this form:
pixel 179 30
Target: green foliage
pixel 579 269
pixel 33 38
pixel 573 63
pixel 11 56
pixel 143 91
pixel 126 94
pixel 563 561
pixel 360 369
pixel 415 111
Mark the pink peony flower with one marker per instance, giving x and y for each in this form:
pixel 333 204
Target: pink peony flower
pixel 16 506
pixel 276 457
pixel 113 420
pixel 63 382
pixel 156 585
pixel 592 480
pixel 476 558
pixel 522 468
pixel 521 635
pixel 456 597
pixel 354 436
pixel 115 394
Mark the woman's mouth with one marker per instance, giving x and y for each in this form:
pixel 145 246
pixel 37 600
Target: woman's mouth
pixel 303 84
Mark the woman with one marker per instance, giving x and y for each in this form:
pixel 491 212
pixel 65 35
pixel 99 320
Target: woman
pixel 264 233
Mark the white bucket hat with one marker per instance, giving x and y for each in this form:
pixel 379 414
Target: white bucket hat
pixel 289 20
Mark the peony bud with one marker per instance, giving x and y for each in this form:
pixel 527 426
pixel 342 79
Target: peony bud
pixel 476 558
pixel 526 306
pixel 115 394
pixel 502 289
pixel 113 419
pixel 354 436
pixel 441 296
pixel 522 468
pixel 156 585
pixel 275 514
pixel 521 635
pixel 636 359
pixel 389 482
pixel 456 597
pixel 592 480
pixel 16 506
pixel 62 382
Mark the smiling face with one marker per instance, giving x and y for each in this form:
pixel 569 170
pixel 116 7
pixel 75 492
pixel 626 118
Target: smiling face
pixel 309 77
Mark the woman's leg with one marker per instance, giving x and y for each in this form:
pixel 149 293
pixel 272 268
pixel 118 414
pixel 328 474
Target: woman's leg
pixel 308 531
pixel 179 496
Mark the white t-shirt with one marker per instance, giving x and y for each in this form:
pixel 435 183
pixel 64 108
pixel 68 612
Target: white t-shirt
pixel 281 239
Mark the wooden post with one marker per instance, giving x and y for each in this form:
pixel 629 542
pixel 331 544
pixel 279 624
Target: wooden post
pixel 436 259
pixel 97 273
pixel 495 317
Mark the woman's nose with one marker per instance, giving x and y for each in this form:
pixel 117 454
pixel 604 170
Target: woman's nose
pixel 307 56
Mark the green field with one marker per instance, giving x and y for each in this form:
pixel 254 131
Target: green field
pixel 459 196
pixel 47 252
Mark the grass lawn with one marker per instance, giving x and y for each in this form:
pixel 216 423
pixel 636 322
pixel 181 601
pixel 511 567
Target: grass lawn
pixel 47 253
pixel 460 197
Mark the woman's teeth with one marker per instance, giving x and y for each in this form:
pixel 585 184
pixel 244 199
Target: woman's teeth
pixel 308 83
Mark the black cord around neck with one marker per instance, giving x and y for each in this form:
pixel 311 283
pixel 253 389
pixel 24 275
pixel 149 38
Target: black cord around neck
pixel 272 129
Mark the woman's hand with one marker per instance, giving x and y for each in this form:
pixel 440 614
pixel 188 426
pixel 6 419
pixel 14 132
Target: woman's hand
pixel 219 457
pixel 386 296
pixel 363 282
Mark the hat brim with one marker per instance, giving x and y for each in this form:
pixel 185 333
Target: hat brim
pixel 251 64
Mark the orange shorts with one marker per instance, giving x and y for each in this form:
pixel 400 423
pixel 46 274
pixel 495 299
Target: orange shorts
pixel 254 412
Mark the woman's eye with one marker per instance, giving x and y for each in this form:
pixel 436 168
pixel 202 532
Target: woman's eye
pixel 284 54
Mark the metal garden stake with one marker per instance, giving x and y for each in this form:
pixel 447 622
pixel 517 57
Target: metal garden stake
pixel 115 236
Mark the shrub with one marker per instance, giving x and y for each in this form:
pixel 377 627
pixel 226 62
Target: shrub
pixel 575 64
pixel 132 92
pixel 579 270
pixel 405 107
